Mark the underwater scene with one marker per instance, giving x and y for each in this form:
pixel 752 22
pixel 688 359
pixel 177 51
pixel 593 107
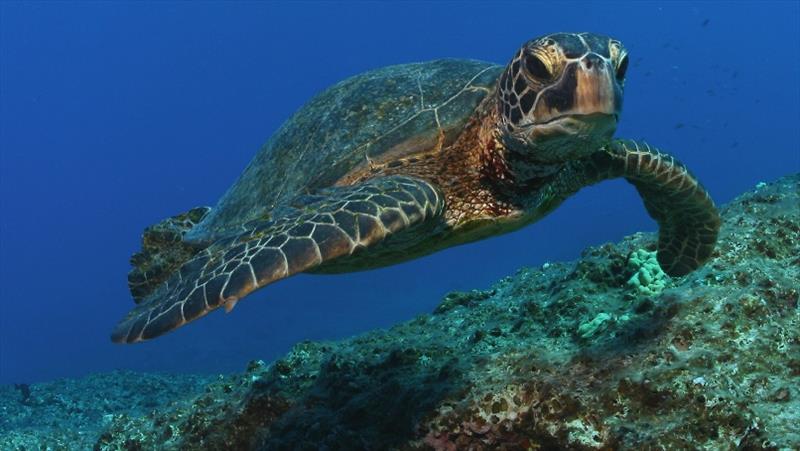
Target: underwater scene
pixel 400 225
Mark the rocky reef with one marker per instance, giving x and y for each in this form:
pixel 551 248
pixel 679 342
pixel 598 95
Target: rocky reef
pixel 69 414
pixel 602 353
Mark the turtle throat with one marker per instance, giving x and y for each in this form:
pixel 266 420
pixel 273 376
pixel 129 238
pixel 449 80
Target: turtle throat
pixel 508 168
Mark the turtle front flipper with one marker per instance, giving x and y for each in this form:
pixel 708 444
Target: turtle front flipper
pixel 687 218
pixel 335 224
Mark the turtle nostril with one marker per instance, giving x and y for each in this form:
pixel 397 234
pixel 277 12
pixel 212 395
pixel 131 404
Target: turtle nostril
pixel 592 61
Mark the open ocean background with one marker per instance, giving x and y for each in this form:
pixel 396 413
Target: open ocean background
pixel 114 116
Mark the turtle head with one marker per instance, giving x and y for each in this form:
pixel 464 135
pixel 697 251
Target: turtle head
pixel 560 97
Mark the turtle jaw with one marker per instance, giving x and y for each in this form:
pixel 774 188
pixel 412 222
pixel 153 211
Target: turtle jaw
pixel 578 124
pixel 567 137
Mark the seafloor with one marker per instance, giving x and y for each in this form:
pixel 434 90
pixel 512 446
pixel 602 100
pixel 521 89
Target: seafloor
pixel 602 353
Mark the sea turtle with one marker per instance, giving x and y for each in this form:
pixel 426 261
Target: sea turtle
pixel 407 160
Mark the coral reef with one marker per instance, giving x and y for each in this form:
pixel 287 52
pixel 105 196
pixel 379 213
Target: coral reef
pixel 602 353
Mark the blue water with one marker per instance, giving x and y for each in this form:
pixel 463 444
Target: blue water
pixel 114 116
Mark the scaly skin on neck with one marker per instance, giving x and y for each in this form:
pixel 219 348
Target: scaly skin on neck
pixel 472 172
pixel 478 175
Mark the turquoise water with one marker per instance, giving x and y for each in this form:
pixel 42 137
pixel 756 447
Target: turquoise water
pixel 115 116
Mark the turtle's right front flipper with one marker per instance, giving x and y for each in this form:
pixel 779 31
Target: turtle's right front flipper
pixel 328 226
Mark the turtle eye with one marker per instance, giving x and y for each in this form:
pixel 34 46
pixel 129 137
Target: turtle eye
pixel 623 67
pixel 537 68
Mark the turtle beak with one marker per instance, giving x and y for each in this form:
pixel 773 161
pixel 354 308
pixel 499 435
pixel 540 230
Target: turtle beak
pixel 587 92
pixel 596 93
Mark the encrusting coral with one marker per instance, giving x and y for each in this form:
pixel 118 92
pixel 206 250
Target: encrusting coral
pixel 648 277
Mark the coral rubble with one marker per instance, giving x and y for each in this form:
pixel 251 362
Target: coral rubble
pixel 602 353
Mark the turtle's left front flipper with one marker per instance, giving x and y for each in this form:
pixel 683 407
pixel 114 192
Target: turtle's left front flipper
pixel 687 218
pixel 318 229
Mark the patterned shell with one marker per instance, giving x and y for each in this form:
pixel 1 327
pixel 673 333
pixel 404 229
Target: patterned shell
pixel 375 117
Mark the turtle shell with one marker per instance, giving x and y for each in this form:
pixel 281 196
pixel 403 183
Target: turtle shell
pixel 377 117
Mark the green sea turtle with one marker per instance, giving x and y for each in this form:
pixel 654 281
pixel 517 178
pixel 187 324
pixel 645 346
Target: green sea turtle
pixel 406 160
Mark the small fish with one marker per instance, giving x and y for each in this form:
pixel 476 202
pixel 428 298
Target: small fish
pixel 678 125
pixel 705 23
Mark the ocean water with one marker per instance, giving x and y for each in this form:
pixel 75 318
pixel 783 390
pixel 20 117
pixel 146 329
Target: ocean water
pixel 114 116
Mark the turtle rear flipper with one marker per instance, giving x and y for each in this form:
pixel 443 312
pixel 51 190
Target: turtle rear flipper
pixel 163 251
pixel 336 224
